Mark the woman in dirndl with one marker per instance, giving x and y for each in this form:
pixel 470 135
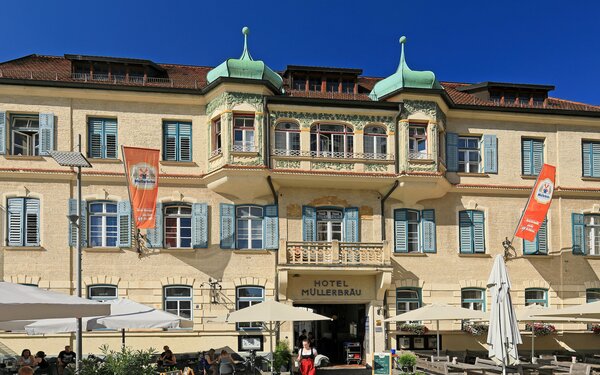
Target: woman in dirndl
pixel 306 358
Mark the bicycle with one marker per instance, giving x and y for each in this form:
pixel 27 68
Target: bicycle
pixel 252 365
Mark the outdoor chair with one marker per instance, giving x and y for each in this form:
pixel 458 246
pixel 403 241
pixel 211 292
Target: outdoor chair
pixel 580 369
pixel 442 358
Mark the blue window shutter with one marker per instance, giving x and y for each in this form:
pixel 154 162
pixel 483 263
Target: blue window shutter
pixel 595 148
pixel 530 247
pixel 31 222
pixel 154 235
pixel 478 231
pixel 526 156
pixel 170 141
pixel 199 225
pixel 465 231
pixel 95 128
pixel 578 223
pixel 537 151
pixel 82 221
pixel 2 133
pixel 46 122
pixel 428 231
pixel 401 231
pixel 185 141
pixel 271 227
pixel 352 224
pixel 542 238
pixel 110 139
pixel 124 223
pixel 452 152
pixel 15 221
pixel 227 226
pixel 490 149
pixel 587 158
pixel 309 223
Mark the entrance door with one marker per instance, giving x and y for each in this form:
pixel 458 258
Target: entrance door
pixel 329 225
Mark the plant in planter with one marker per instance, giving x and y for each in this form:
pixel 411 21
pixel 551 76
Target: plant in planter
pixel 596 328
pixel 407 362
pixel 124 362
pixel 540 329
pixel 418 329
pixel 282 356
pixel 476 329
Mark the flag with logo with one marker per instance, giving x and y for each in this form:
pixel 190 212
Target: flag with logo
pixel 141 169
pixel 538 204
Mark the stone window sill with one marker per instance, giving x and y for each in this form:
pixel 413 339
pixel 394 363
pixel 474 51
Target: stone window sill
pixel 177 251
pixel 21 157
pixel 103 249
pixel 529 177
pixel 252 251
pixel 536 256
pixel 595 257
pixel 413 254
pixel 595 179
pixel 471 255
pixel 464 174
pixel 24 248
pixel 104 161
pixel 178 163
pixel 245 153
pixel 421 161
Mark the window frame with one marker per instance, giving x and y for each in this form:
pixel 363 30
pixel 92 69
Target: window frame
pixel 216 137
pixel 245 146
pixel 589 242
pixel 467 150
pixel 347 136
pixel 24 223
pixel 531 155
pixel 416 154
pixel 470 213
pixel 329 220
pixel 592 290
pixel 594 169
pixel 408 301
pixel 287 133
pixel 178 138
pixel 32 149
pixel 103 138
pixel 249 220
pixel 178 300
pixel 103 215
pixel 179 227
pixel 252 301
pixel 531 301
pixel 94 286
pixel 472 301
pixel 378 142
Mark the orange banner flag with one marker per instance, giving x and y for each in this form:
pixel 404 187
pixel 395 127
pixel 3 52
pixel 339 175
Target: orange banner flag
pixel 141 169
pixel 538 204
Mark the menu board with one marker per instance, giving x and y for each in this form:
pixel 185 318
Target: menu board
pixel 382 364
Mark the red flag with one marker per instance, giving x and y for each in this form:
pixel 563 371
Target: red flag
pixel 141 169
pixel 538 204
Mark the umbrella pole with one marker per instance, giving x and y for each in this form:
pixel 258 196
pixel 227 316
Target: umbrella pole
pixel 532 342
pixel 123 337
pixel 271 344
pixel 437 341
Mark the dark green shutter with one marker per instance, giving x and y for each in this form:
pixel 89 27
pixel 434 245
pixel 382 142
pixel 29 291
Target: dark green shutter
pixel 537 151
pixel 46 133
pixel 124 223
pixel 401 230
pixel 15 221
pixel 227 226
pixel 271 227
pixel 587 159
pixel 465 231
pixel 199 225
pixel 82 223
pixel 452 152
pixel 526 156
pixel 578 231
pixel 478 231
pixel 110 139
pixel 185 141
pixel 428 231
pixel 352 224
pixel 3 127
pixel 490 149
pixel 170 141
pixel 309 223
pixel 539 245
pixel 155 235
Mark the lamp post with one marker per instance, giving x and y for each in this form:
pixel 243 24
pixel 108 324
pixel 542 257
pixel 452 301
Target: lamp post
pixel 77 160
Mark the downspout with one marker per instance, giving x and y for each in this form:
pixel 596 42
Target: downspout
pixel 385 197
pixel 397 136
pixel 267 130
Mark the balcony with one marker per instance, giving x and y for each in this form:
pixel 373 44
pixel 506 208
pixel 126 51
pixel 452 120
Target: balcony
pixel 335 254
pixel 333 161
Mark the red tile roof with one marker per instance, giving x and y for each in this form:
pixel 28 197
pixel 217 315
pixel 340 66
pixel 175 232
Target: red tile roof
pixel 58 69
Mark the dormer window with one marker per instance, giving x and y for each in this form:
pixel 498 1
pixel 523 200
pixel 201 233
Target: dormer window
pixel 299 83
pixel 348 87
pixel 314 84
pixel 333 85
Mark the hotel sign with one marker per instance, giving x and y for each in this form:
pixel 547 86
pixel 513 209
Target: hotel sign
pixel 333 289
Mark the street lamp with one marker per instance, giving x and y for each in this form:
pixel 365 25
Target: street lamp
pixel 77 160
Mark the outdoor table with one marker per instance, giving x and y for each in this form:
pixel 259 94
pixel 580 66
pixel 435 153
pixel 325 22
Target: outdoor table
pixel 467 367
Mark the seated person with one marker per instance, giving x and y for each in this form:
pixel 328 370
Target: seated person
pixel 25 370
pixel 65 358
pixel 211 360
pixel 41 363
pixel 26 359
pixel 226 366
pixel 167 358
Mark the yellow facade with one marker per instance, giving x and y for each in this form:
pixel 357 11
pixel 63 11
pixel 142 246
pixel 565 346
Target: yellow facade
pixel 289 274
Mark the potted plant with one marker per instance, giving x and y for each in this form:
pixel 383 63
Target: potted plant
pixel 596 328
pixel 124 362
pixel 540 329
pixel 476 329
pixel 415 328
pixel 407 362
pixel 282 357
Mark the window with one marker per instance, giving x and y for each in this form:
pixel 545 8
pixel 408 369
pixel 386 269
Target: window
pixel 375 142
pixel 538 100
pixel 243 133
pixel 510 98
pixel 407 299
pixel 328 140
pixel 178 301
pixel 524 99
pixel 591 159
pixel 495 96
pixel 102 292
pixel 539 246
pixel 177 143
pixel 348 87
pixel 25 135
pixel 216 137
pixel 469 156
pixel 329 225
pixel 473 299
pixel 103 224
pixel 414 231
pixel 471 231
pixel 314 84
pixel 592 295
pixel 178 227
pixel 592 234
pixel 102 138
pixel 417 142
pixel 532 156
pixel 536 297
pixel 249 221
pixel 299 83
pixel 23 221
pixel 287 139
pixel 332 85
pixel 247 296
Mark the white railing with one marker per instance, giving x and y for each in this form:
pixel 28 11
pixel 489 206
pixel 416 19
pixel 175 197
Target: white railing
pixel 243 147
pixel 215 152
pixel 333 155
pixel 335 253
pixel 415 155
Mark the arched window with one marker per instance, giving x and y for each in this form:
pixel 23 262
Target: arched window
pixel 407 299
pixel 332 141
pixel 473 299
pixel 103 224
pixel 102 292
pixel 535 296
pixel 247 296
pixel 178 226
pixel 375 142
pixel 287 139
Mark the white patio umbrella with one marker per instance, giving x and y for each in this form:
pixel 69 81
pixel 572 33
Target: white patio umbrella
pixel 125 314
pixel 437 312
pixel 503 334
pixel 584 311
pixel 274 313
pixel 25 302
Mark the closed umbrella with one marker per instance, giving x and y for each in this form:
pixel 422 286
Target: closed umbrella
pixel 437 312
pixel 273 313
pixel 503 334
pixel 31 303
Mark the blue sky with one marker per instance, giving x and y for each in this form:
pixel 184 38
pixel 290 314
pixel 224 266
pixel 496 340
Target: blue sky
pixel 544 42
